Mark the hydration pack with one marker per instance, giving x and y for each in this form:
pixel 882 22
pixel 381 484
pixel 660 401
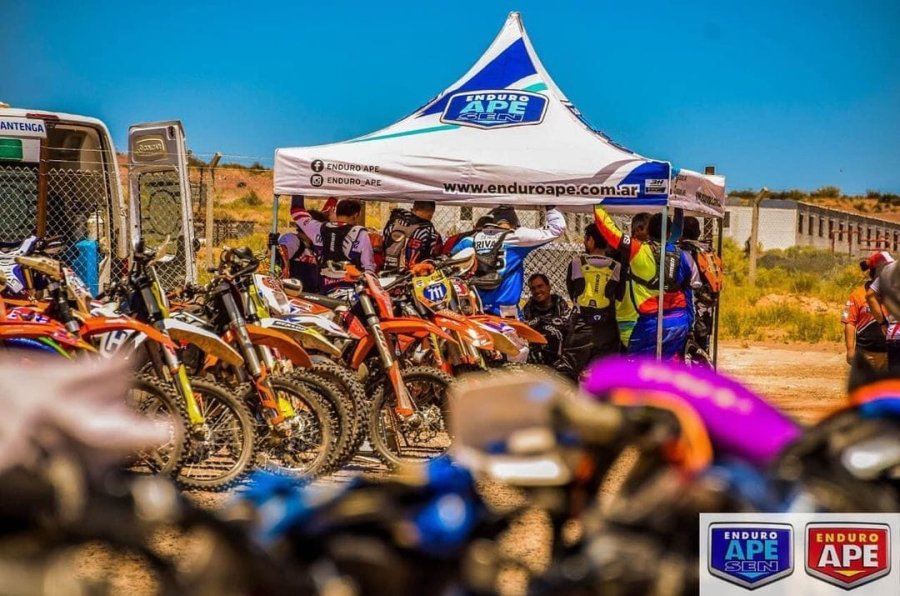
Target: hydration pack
pixel 333 237
pixel 395 245
pixel 710 266
pixel 487 272
pixel 671 266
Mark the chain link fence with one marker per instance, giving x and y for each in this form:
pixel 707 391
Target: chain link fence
pixel 77 213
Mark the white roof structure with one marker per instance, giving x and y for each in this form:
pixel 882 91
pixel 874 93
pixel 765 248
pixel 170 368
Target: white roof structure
pixel 503 133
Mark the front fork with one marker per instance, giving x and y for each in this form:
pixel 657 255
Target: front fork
pixel 405 406
pixel 273 410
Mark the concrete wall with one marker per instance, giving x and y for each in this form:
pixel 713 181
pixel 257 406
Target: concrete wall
pixel 777 227
pixel 845 232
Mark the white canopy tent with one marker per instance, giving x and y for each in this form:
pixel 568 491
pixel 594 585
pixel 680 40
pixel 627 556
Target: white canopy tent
pixel 504 132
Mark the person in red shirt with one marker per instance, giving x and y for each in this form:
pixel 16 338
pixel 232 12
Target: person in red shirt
pixel 862 332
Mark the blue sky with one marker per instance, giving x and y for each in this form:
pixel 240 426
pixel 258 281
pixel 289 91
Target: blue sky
pixel 782 94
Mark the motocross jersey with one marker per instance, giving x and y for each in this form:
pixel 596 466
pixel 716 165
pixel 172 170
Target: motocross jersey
pixel 517 245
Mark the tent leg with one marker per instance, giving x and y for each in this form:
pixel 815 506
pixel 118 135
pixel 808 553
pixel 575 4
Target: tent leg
pixel 715 329
pixel 664 237
pixel 273 237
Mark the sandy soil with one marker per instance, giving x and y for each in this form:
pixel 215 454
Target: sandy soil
pixel 802 380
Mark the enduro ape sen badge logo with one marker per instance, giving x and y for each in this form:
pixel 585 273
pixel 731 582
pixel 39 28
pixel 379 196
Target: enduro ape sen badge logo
pixel 501 108
pixel 847 554
pixel 751 555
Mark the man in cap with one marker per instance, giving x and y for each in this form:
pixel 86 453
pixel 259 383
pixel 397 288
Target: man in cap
pixel 501 248
pixel 879 296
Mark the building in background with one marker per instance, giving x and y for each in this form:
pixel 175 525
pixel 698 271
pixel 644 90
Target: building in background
pixel 783 224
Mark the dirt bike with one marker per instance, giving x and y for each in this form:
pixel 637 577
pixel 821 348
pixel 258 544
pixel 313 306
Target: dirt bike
pixel 66 300
pixel 298 429
pixel 406 419
pixel 221 431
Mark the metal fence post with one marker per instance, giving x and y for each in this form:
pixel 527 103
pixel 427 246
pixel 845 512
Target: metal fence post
pixel 273 237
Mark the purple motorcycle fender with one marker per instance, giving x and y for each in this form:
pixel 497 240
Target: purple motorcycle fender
pixel 739 422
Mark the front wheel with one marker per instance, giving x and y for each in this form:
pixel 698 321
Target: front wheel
pixel 221 450
pixel 421 436
pixel 306 446
pixel 157 400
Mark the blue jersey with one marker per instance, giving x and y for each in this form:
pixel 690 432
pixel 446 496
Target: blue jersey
pixel 511 259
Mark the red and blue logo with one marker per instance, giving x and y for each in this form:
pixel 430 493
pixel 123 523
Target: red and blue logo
pixel 751 555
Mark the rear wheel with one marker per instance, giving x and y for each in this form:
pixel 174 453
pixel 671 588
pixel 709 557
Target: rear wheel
pixel 342 408
pixel 351 386
pixel 397 439
pixel 306 449
pixel 157 400
pixel 220 452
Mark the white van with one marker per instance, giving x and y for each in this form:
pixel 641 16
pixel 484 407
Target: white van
pixel 59 177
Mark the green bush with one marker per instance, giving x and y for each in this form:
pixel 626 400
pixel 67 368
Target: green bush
pixel 795 283
pixel 251 199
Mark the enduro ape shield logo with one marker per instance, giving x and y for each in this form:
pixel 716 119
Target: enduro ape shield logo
pixel 751 555
pixel 495 109
pixel 848 555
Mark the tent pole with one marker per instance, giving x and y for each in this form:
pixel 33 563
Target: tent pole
pixel 715 329
pixel 273 237
pixel 664 237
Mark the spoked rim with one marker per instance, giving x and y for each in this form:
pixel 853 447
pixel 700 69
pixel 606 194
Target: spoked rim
pixel 163 458
pixel 218 449
pixel 306 451
pixel 422 436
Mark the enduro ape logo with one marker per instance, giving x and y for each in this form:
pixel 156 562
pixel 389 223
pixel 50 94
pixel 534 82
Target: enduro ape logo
pixel 848 555
pixel 751 555
pixel 495 109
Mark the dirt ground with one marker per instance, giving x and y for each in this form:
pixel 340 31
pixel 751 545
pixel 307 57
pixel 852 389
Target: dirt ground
pixel 805 381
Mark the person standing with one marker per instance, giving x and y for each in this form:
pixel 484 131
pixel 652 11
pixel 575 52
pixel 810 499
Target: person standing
pixel 644 275
pixel 501 248
pixel 548 313
pixel 706 280
pixel 862 333
pixel 875 298
pixel 592 282
pixel 410 237
pixel 337 242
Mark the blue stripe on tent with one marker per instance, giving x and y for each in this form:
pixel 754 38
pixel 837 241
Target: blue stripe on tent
pixel 418 131
pixel 651 170
pixel 510 65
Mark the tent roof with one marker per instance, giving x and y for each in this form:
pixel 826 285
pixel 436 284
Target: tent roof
pixel 504 132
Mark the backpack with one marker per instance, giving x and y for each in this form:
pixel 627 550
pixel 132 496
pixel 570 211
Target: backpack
pixel 671 264
pixel 487 274
pixel 333 244
pixel 395 244
pixel 710 266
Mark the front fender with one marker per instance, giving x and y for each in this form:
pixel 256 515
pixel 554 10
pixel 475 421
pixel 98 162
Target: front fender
pixel 523 330
pixel 469 330
pixel 418 328
pixel 92 326
pixel 54 331
pixel 281 342
pixel 209 343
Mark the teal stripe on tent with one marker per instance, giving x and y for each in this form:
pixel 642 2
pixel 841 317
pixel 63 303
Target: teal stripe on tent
pixel 536 87
pixel 407 133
